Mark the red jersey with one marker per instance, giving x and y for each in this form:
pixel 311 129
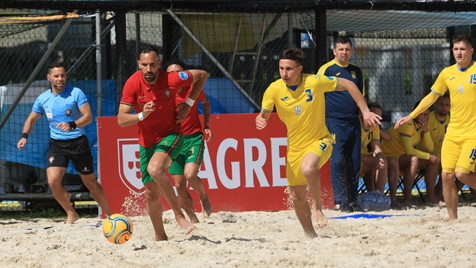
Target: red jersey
pixel 161 122
pixel 191 124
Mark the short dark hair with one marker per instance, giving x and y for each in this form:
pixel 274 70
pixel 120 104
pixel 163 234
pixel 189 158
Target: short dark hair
pixel 462 37
pixel 148 48
pixel 292 53
pixel 55 64
pixel 342 40
pixel 175 61
pixel 446 95
pixel 374 105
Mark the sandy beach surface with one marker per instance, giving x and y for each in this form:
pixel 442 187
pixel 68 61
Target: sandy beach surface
pixel 412 238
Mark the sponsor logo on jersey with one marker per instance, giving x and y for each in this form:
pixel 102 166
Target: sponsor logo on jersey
pixel 284 98
pixel 183 75
pixel 452 78
pixel 337 74
pixel 317 76
pixel 330 77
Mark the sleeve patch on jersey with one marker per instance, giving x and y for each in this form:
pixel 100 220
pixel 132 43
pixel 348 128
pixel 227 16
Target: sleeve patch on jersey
pixel 183 75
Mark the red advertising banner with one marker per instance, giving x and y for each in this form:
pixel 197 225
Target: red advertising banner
pixel 243 169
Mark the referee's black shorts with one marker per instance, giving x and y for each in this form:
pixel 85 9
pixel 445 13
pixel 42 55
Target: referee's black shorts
pixel 77 150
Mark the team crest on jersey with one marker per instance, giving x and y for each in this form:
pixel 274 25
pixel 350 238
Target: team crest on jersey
pixel 297 109
pixel 461 89
pixel 353 74
pixel 68 112
pixel 167 93
pixel 183 75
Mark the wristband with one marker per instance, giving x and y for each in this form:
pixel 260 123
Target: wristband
pixel 24 135
pixel 190 102
pixel 72 125
pixel 141 116
pixel 206 125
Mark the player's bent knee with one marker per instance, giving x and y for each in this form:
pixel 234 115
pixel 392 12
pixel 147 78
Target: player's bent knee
pixel 309 170
pixel 151 196
pixel 155 171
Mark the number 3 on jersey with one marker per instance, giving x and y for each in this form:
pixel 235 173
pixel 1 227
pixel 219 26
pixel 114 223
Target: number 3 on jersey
pixel 309 96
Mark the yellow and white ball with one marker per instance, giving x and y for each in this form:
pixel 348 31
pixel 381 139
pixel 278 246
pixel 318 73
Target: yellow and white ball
pixel 118 228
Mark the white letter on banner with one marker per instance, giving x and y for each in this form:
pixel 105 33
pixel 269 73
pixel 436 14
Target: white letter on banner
pixel 277 161
pixel 208 172
pixel 235 166
pixel 256 166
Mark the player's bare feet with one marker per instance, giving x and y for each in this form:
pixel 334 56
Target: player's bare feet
pixel 206 207
pixel 186 225
pixel 395 204
pixel 72 217
pixel 432 201
pixel 320 220
pixel 310 233
pixel 163 237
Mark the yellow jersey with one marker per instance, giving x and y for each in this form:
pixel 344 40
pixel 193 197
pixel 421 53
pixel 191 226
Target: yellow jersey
pixel 462 87
pixel 366 136
pixel 405 140
pixel 302 110
pixel 437 127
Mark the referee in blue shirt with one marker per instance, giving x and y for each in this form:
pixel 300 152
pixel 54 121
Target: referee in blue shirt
pixel 68 111
pixel 342 120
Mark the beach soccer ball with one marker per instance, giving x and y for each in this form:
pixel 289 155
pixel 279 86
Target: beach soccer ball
pixel 117 228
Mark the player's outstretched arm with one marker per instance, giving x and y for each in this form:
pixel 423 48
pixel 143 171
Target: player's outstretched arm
pixel 424 105
pixel 262 120
pixel 372 119
pixel 199 79
pixel 27 129
pixel 126 118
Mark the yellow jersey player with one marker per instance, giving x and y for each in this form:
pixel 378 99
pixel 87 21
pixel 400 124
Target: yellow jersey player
pixel 300 104
pixel 402 154
pixel 438 123
pixel 374 166
pixel 459 146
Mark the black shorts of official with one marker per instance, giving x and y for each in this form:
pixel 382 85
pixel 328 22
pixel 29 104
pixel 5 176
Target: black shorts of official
pixel 77 150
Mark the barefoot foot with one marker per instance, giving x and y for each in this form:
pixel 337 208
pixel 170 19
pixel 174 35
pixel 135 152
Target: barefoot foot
pixel 206 207
pixel 186 225
pixel 320 220
pixel 72 217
